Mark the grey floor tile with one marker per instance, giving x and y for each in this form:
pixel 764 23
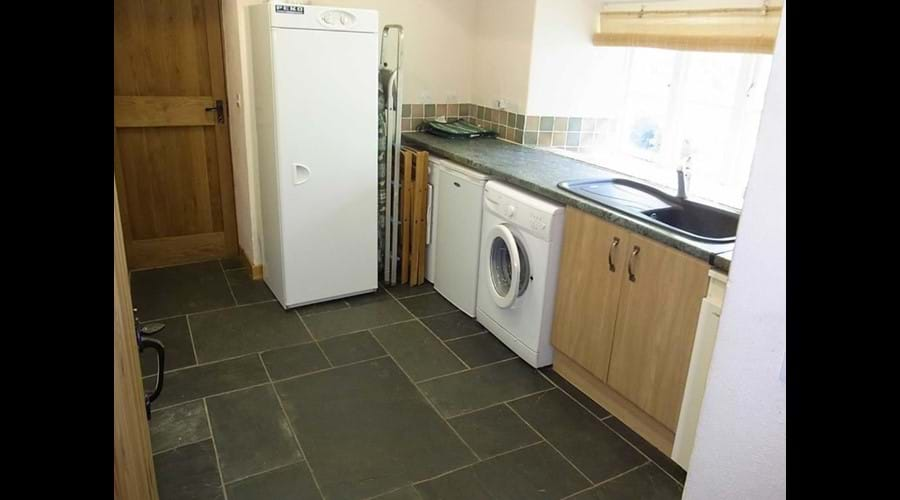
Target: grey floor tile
pixel 287 483
pixel 453 325
pixel 405 493
pixel 178 425
pixel 241 330
pixel 571 390
pixel 417 351
pixel 247 290
pixel 428 305
pixel 355 319
pixel 232 263
pixel 295 360
pixel 368 298
pixel 401 291
pixel 179 349
pixel 251 432
pixel 188 473
pixel 206 380
pixel 480 349
pixel 321 307
pixel 462 484
pixel 661 459
pixel 645 483
pixel 366 430
pixel 173 291
pixel 351 348
pixel 590 445
pixel 494 430
pixel 482 387
pixel 536 472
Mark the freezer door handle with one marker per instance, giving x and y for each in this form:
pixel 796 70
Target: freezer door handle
pixel 301 173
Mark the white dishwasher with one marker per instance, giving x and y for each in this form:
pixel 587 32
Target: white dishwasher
pixel 698 369
pixel 457 233
pixel 431 219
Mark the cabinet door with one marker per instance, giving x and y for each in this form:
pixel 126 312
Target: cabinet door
pixel 655 326
pixel 587 293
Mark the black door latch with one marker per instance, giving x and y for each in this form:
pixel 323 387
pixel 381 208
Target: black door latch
pixel 220 110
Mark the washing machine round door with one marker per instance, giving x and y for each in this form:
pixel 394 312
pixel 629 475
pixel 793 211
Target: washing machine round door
pixel 507 265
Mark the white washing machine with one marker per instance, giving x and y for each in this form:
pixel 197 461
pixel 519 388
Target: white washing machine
pixel 521 239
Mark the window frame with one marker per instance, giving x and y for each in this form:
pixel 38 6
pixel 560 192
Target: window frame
pixel 616 153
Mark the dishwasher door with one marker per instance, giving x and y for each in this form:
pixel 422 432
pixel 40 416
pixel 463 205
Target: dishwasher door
pixel 698 370
pixel 431 220
pixel 458 235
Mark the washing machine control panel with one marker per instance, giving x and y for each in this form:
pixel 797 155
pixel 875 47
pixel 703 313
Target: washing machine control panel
pixel 538 222
pixel 520 214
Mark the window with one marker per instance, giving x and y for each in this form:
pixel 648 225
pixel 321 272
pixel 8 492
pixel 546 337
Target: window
pixel 668 108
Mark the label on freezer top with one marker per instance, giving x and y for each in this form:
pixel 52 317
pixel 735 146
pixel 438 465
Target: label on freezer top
pixel 289 9
pixel 318 17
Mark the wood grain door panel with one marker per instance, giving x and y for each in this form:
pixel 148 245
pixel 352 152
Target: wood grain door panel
pixel 587 295
pixel 171 181
pixel 134 475
pixel 655 327
pixel 173 162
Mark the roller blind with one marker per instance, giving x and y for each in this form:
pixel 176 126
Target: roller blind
pixel 748 26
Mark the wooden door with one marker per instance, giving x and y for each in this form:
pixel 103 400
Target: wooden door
pixel 172 160
pixel 135 478
pixel 587 294
pixel 655 327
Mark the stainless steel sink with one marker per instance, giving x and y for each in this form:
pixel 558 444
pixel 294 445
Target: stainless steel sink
pixel 693 220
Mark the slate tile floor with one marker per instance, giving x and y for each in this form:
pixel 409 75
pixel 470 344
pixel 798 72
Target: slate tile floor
pixel 390 395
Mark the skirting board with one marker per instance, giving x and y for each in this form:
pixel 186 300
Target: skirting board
pixel 256 272
pixel 635 418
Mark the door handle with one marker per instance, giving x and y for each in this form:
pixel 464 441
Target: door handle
pixel 301 173
pixel 160 349
pixel 612 246
pixel 160 370
pixel 631 275
pixel 220 110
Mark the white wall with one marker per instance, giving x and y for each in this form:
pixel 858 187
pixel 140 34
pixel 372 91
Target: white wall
pixel 502 53
pixel 740 446
pixel 566 76
pixel 538 56
pixel 242 126
pixel 438 45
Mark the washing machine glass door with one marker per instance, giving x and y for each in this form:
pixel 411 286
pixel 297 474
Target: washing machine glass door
pixel 507 264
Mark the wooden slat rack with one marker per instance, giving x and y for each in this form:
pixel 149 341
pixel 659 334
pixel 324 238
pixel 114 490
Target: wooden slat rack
pixel 409 256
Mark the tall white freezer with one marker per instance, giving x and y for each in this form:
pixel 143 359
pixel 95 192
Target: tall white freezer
pixel 315 87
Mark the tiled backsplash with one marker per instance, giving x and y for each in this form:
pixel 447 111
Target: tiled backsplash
pixel 555 132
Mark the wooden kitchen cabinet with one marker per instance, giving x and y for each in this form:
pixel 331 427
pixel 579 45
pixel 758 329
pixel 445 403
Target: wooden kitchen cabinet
pixel 587 294
pixel 624 322
pixel 655 325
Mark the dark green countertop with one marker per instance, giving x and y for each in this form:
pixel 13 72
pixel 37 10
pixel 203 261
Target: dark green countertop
pixel 540 171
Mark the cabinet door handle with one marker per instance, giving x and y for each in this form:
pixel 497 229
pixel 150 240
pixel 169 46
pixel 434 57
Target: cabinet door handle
pixel 612 246
pixel 634 253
